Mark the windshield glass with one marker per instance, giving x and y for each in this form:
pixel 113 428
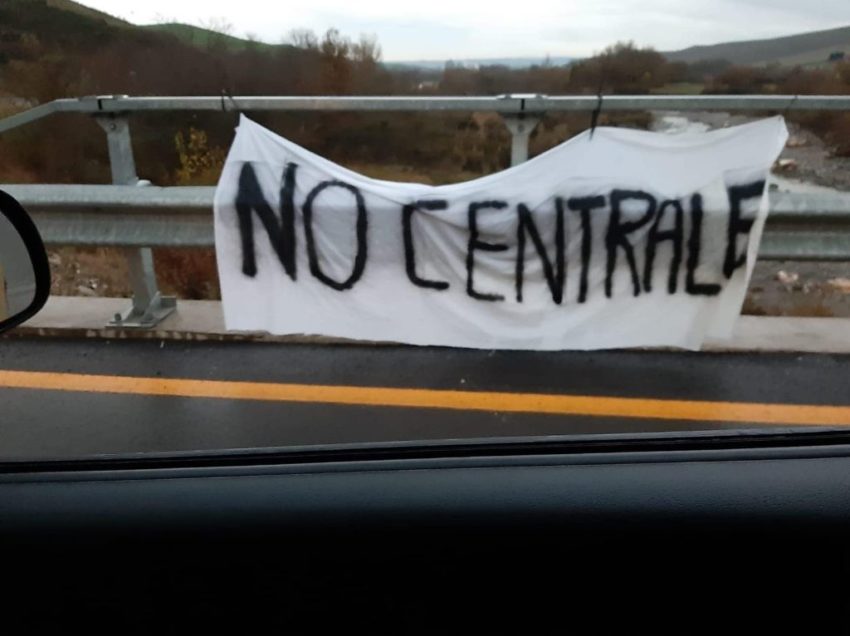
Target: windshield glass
pixel 276 228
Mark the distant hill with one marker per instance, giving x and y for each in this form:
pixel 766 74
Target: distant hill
pixel 203 38
pixel 510 62
pixel 62 24
pixel 74 26
pixel 794 50
pixel 76 7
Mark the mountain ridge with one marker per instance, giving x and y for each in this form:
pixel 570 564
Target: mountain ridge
pixel 809 48
pixel 812 48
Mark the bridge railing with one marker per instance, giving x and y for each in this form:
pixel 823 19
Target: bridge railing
pixel 136 217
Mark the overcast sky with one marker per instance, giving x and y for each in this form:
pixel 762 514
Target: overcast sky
pixel 441 29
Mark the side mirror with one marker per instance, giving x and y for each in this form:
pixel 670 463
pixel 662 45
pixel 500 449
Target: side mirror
pixel 24 271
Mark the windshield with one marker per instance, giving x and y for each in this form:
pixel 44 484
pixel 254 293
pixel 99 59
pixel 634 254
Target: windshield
pixel 329 225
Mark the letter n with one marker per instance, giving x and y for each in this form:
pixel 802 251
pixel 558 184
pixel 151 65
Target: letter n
pixel 281 233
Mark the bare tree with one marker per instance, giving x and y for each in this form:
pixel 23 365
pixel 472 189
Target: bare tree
pixel 302 39
pixel 218 25
pixel 367 49
pixel 161 18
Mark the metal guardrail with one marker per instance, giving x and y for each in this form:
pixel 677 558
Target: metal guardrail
pixel 505 104
pixel 812 227
pixel 119 216
pixel 135 217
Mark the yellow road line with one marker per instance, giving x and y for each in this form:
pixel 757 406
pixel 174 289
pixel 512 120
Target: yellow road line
pixel 644 408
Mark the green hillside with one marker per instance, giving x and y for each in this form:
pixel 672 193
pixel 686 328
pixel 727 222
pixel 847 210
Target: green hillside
pixel 204 38
pixel 72 27
pixel 76 7
pixel 61 25
pixel 795 50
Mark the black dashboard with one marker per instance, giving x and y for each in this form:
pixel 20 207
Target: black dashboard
pixel 665 534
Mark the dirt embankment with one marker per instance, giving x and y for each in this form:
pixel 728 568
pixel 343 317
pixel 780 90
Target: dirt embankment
pixel 805 288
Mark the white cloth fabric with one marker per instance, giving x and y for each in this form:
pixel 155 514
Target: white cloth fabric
pixel 307 246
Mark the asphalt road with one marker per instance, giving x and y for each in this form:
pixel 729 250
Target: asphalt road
pixel 249 395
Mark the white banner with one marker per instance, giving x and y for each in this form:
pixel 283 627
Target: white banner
pixel 621 238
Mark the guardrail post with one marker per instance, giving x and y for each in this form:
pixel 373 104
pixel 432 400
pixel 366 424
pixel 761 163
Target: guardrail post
pixel 149 306
pixel 521 126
